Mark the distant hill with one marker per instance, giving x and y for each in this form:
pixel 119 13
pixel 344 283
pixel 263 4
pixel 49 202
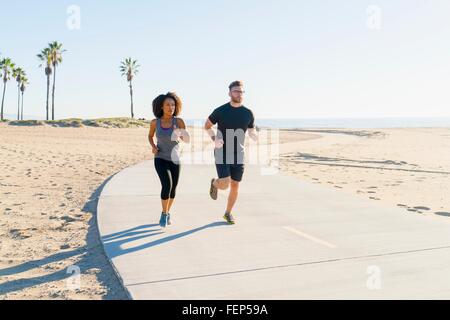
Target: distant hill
pixel 12 116
pixel 76 123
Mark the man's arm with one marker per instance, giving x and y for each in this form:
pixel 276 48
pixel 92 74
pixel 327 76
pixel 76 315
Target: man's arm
pixel 252 134
pixel 252 128
pixel 218 143
pixel 209 130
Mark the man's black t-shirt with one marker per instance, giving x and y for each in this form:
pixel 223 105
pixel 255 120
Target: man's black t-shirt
pixel 232 123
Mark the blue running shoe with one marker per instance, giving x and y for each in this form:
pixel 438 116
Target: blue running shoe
pixel 163 220
pixel 168 219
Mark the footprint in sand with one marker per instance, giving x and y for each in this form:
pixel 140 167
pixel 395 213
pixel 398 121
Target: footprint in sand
pixel 442 213
pixel 422 208
pixel 68 219
pixel 402 205
pixel 373 198
pixel 18 234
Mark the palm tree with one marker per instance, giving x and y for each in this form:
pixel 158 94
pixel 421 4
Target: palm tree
pixel 6 67
pixel 22 89
pixel 130 68
pixel 19 74
pixel 46 58
pixel 56 52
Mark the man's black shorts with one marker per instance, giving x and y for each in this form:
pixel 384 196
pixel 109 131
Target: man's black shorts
pixel 235 171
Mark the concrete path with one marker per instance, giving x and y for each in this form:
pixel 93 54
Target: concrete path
pixel 292 240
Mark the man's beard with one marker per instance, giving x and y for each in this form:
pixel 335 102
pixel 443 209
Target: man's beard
pixel 234 100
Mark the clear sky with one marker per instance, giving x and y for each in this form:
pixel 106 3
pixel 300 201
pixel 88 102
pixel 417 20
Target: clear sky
pixel 298 58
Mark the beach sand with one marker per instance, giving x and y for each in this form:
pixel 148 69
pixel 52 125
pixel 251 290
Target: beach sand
pixel 51 177
pixel 404 167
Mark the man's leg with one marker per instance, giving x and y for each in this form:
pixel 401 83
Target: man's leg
pixel 222 183
pixel 233 195
pixel 236 173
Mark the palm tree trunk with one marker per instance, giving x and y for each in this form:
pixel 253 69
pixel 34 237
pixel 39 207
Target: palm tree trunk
pixel 53 93
pixel 21 114
pixel 3 99
pixel 48 93
pixel 18 102
pixel 131 94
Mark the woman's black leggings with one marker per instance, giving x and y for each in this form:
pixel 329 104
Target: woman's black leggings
pixel 169 173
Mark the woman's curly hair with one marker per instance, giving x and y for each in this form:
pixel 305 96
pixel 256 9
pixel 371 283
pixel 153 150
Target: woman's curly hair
pixel 158 104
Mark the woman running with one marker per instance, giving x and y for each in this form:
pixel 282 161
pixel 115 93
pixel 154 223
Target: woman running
pixel 169 131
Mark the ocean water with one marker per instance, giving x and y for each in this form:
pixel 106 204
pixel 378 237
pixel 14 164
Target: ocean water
pixel 353 123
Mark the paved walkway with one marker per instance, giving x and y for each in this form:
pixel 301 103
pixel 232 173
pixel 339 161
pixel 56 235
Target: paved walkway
pixel 293 240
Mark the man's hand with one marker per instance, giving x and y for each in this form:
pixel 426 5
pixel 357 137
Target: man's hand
pixel 155 150
pixel 218 143
pixel 252 134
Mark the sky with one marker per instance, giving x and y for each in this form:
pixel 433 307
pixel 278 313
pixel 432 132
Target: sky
pixel 298 58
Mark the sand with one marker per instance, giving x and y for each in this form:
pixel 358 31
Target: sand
pixel 48 182
pixel 51 177
pixel 403 167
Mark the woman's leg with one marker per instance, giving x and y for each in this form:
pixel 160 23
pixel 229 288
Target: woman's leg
pixel 163 170
pixel 175 174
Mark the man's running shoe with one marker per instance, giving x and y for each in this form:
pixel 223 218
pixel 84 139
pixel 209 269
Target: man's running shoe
pixel 213 190
pixel 229 218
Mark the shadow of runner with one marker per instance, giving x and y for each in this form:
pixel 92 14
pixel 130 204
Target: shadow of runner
pixel 130 234
pixel 91 257
pixel 124 232
pixel 114 248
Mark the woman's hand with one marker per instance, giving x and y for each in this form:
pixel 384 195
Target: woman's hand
pixel 177 132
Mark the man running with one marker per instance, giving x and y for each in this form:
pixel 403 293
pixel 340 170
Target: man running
pixel 233 119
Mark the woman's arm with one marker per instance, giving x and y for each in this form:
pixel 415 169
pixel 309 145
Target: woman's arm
pixel 151 135
pixel 182 133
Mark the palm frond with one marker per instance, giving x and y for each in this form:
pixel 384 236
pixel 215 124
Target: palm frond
pixel 129 68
